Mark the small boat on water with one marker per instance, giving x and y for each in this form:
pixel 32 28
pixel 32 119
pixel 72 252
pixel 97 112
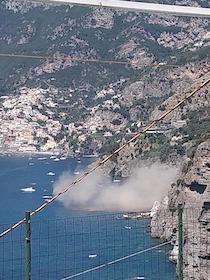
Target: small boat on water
pixel 116 180
pixel 62 158
pixel 138 278
pixel 76 172
pixel 42 158
pixel 31 163
pixel 28 190
pixel 127 227
pixel 52 157
pixel 47 198
pixel 56 159
pixel 51 173
pixel 92 256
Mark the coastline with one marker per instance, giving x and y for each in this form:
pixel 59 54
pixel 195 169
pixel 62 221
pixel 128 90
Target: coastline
pixel 34 154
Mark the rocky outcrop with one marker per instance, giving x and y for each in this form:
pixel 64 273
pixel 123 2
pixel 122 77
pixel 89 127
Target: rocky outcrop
pixel 193 191
pixel 189 75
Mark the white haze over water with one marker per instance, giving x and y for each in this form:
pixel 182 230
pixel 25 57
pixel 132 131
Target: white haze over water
pixel 97 192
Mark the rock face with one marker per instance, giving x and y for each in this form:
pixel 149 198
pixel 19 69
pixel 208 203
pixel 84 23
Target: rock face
pixel 193 191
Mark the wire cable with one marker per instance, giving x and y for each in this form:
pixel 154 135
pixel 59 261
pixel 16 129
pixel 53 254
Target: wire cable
pixel 116 261
pixel 107 158
pixel 85 60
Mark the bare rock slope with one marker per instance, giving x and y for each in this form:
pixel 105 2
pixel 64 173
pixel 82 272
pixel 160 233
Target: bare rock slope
pixel 193 191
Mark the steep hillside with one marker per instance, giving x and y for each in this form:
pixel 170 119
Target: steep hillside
pixel 59 105
pixel 192 190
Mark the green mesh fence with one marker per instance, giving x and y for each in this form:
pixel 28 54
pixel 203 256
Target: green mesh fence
pixel 107 246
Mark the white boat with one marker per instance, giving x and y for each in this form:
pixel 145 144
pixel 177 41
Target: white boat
pixel 31 163
pixel 51 173
pixel 52 157
pixel 127 227
pixel 56 159
pixel 28 190
pixel 116 180
pixel 92 256
pixel 47 196
pixel 76 172
pixel 42 158
pixel 62 158
pixel 138 278
pixel 125 216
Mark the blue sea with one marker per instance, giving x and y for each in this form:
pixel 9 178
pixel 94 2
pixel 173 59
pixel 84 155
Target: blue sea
pixel 66 243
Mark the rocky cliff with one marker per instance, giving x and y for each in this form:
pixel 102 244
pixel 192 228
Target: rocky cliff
pixel 193 191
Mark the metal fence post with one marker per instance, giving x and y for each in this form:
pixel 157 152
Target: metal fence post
pixel 28 245
pixel 180 242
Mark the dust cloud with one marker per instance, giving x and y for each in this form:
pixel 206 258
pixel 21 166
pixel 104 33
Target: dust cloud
pixel 98 193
